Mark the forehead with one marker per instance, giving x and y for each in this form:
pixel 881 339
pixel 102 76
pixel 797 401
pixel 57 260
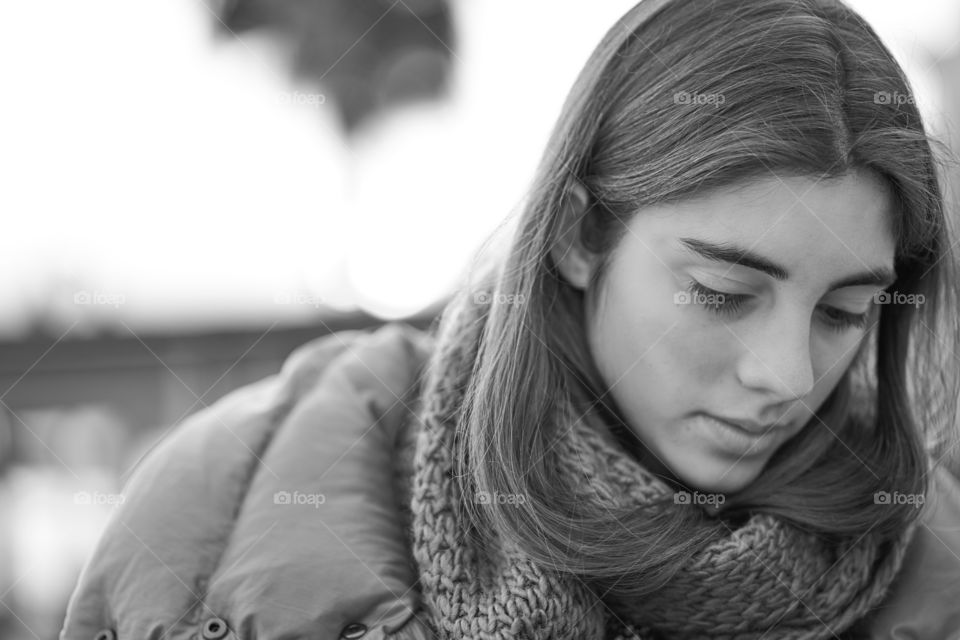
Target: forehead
pixel 842 223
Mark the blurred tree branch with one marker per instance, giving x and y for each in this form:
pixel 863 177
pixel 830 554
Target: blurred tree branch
pixel 366 55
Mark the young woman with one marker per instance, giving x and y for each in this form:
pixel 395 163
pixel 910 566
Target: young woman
pixel 705 391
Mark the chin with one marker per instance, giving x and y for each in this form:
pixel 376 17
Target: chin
pixel 717 476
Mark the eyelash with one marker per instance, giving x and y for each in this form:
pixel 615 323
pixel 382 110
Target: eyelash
pixel 733 302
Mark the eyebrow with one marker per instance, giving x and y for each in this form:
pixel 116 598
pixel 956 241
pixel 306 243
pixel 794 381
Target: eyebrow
pixel 724 252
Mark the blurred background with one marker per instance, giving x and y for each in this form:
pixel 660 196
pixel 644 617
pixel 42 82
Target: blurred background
pixel 193 188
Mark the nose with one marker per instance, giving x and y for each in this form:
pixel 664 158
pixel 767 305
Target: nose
pixel 777 359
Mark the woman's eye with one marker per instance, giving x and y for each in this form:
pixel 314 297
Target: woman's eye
pixel 840 320
pixel 723 303
pixel 718 302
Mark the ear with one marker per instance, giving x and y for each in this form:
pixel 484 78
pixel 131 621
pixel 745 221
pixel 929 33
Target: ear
pixel 573 260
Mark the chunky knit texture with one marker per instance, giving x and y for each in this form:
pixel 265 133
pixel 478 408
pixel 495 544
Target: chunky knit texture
pixel 762 579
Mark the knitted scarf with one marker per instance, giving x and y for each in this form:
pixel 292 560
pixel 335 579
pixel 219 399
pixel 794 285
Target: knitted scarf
pixel 764 578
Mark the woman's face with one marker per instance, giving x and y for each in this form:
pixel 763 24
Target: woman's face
pixel 746 307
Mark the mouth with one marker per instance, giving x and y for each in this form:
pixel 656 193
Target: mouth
pixel 752 427
pixel 739 438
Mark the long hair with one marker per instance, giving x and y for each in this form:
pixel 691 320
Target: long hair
pixel 800 88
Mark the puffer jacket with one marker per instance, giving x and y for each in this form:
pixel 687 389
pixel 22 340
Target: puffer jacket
pixel 280 513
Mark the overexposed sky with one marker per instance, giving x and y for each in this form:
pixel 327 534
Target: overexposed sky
pixel 172 179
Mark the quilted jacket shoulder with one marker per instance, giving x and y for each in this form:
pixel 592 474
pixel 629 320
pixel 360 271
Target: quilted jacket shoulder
pixel 271 514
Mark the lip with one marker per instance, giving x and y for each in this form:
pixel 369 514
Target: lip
pixel 737 438
pixel 755 428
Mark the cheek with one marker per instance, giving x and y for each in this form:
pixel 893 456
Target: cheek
pixel 657 358
pixel 693 357
pixel 830 360
pixel 707 347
